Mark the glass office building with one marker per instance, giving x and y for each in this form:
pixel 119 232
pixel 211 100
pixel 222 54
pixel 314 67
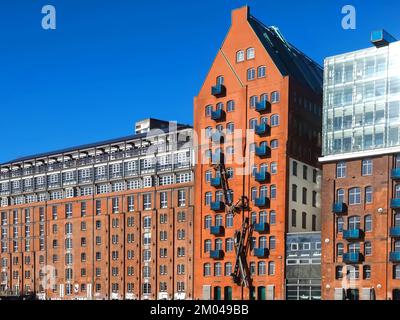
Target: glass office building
pixel 361 108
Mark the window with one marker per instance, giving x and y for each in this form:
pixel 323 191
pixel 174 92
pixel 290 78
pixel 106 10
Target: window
pixel 340 249
pixel 275 97
pixel 274 144
pixel 271 268
pixel 354 222
pixel 274 120
pixel 367 272
pixel 304 220
pixel 367 167
pixel 131 204
pixel 368 223
pixel 251 74
pixel 294 218
pixel 262 268
pixel 294 192
pixel 314 222
pixel 272 217
pixel 240 56
pixel 230 106
pixel 294 168
pixel 368 248
pixel 208 111
pixel 314 199
pixel 304 196
pixel 261 72
pixel 208 198
pixel 229 220
pixel 250 53
pixel 253 101
pixel 273 191
pixel 207 269
pixel 230 128
pixel 272 243
pixel 341 170
pixel 340 196
pixel 147 201
pixel 340 224
pixel 220 80
pixel 305 172
pixel 163 200
pixel 339 272
pixel 355 196
pixel 369 195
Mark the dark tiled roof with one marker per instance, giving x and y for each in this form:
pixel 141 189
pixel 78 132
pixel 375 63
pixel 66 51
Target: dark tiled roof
pixel 289 60
pixel 92 145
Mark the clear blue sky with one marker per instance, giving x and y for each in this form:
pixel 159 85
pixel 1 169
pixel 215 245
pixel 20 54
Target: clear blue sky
pixel 111 62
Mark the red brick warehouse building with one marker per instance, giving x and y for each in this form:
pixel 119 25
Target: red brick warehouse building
pixel 361 161
pixel 109 220
pixel 261 83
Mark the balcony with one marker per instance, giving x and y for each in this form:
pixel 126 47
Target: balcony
pixel 262 176
pixel 218 115
pixel 262 202
pixel 263 106
pixel 353 258
pixel 395 232
pixel 261 227
pixel 395 174
pixel 217 230
pixel 261 252
pixel 217 157
pixel 217 206
pixel 339 208
pixel 261 129
pixel 353 234
pixel 216 182
pixel 394 256
pixel 216 254
pixel 262 151
pixel 395 203
pixel 218 90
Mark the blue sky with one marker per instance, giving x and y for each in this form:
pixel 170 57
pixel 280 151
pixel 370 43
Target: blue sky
pixel 112 62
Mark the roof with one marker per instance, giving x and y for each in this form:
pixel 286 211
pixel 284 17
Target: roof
pixel 289 60
pixel 94 145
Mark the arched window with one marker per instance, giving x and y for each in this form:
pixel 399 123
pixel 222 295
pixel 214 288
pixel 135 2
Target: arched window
pixel 354 247
pixel 340 196
pixel 207 245
pixel 264 97
pixel 253 217
pixel 272 243
pixel 368 248
pixel 217 269
pixel 240 56
pixel 207 222
pixel 253 193
pixel 354 222
pixel 253 101
pixel 397 220
pixel 340 224
pixel 208 111
pixel 218 220
pixel 220 106
pixel 229 244
pixel 229 220
pixel 274 144
pixel 219 195
pixel 207 269
pixel 275 97
pixel 275 120
pixel 273 191
pixel 340 249
pixel 355 196
pixel 250 53
pixel 208 198
pixel 218 244
pixel 263 192
pixel 228 268
pixel 261 71
pixel 252 123
pixel 230 106
pixel 251 74
pixel 263 217
pixel 220 80
pixel 272 217
pixel 209 131
pixel 368 223
pixel 262 242
pixel 397 191
pixel 369 195
pixel 262 268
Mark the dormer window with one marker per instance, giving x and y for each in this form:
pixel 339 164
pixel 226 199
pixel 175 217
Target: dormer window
pixel 240 56
pixel 250 53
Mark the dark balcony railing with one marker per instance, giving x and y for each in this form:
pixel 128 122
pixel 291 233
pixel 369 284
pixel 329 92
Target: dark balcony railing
pixel 261 252
pixel 217 206
pixel 395 232
pixel 217 115
pixel 216 254
pixel 262 176
pixel 394 256
pixel 217 230
pixel 396 174
pixel 263 106
pixel 353 234
pixel 395 203
pixel 261 202
pixel 261 129
pixel 339 207
pixel 216 182
pixel 353 257
pixel 262 151
pixel 218 90
pixel 261 227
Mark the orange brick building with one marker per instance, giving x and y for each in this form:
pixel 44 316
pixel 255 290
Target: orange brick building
pixel 110 220
pixel 259 83
pixel 361 161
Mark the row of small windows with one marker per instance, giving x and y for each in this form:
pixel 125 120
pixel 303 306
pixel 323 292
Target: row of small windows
pixel 230 105
pixel 354 222
pixel 261 217
pixel 249 54
pixel 354 195
pixel 305 172
pixel 366 168
pixel 261 73
pixel 260 268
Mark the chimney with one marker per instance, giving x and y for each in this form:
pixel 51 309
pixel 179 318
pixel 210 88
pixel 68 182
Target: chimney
pixel 241 14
